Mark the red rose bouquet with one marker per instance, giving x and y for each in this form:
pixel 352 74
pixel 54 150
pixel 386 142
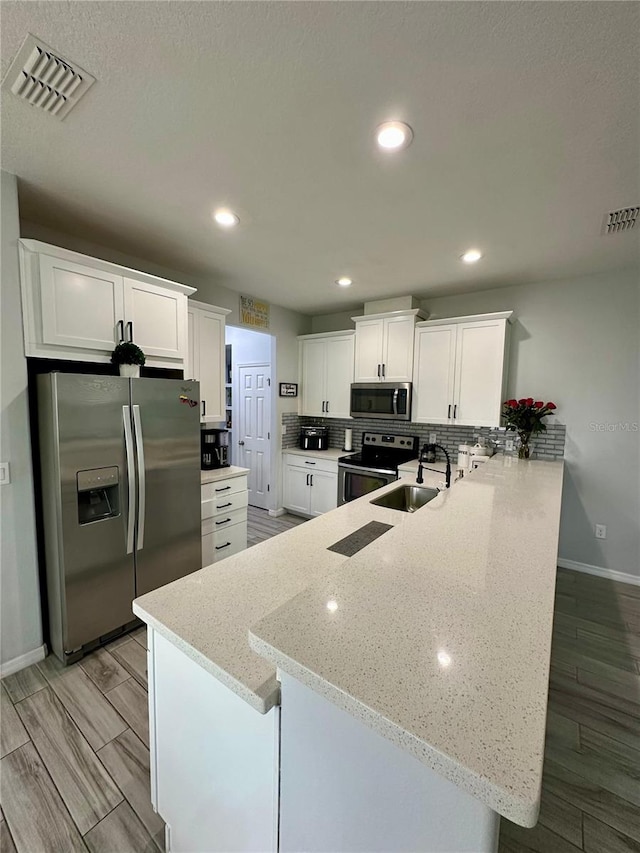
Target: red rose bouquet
pixel 525 416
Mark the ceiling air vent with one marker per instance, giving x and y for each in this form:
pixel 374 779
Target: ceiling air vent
pixel 43 78
pixel 620 220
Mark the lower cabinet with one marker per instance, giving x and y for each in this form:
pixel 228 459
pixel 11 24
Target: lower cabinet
pixel 214 758
pixel 310 484
pixel 224 518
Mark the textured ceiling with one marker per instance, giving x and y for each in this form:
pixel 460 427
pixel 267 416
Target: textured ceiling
pixel 526 131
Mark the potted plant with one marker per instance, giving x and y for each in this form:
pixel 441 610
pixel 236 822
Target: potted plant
pixel 128 357
pixel 525 416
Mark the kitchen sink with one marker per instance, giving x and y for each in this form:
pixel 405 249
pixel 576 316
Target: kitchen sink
pixel 406 498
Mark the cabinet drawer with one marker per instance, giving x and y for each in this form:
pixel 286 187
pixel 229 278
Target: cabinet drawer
pixel 312 463
pixel 224 503
pixel 224 487
pixel 223 520
pixel 223 543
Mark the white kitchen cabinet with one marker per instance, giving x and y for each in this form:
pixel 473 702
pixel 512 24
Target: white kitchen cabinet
pixel 214 758
pixel 206 357
pixel 155 319
pixel 310 484
pixel 461 370
pixel 79 308
pixel 384 347
pixel 326 374
pixel 224 518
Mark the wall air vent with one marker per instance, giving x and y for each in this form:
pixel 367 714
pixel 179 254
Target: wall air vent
pixel 43 78
pixel 617 221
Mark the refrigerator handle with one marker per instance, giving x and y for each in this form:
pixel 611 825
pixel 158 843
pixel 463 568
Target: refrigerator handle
pixel 128 445
pixel 137 428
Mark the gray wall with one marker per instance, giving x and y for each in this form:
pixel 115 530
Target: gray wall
pixel 19 589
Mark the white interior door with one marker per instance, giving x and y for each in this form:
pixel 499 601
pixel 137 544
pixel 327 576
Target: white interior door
pixel 254 423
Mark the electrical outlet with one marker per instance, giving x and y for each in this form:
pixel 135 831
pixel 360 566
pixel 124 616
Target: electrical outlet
pixel 601 531
pixel 432 438
pixel 508 445
pixel 5 474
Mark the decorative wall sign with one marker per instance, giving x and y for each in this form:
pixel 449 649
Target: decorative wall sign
pixel 288 389
pixel 254 312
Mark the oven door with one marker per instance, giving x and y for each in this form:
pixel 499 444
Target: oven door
pixel 354 482
pixel 384 400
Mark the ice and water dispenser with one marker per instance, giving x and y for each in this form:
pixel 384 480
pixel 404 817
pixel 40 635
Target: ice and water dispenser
pixel 98 494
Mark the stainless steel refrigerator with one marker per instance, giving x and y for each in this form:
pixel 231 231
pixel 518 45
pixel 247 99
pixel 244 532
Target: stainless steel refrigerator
pixel 120 462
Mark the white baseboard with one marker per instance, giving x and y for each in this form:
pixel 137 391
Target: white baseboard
pixel 23 661
pixel 611 574
pixel 274 513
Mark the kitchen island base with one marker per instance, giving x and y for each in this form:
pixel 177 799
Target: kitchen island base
pixel 345 788
pixel 214 759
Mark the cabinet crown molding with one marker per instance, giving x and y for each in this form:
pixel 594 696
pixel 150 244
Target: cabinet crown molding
pixel 409 312
pixel 469 318
pixel 321 335
pixel 204 306
pixel 41 248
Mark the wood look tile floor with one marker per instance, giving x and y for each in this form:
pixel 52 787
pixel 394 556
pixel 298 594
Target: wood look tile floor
pixel 75 759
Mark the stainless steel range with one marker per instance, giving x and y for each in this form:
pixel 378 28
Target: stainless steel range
pixel 376 465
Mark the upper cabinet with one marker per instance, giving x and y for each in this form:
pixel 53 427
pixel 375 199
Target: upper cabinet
pixel 460 370
pixel 206 357
pixel 326 374
pixel 79 308
pixel 384 346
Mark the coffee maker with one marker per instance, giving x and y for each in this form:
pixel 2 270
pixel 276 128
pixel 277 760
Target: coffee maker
pixel 214 447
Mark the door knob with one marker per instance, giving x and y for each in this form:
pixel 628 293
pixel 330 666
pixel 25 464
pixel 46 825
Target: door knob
pixel 241 443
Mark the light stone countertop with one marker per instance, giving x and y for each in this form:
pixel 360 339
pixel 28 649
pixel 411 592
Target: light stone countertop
pixel 207 614
pixel 439 634
pixel 221 474
pixel 332 453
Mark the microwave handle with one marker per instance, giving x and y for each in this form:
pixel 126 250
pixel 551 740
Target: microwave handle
pixel 395 401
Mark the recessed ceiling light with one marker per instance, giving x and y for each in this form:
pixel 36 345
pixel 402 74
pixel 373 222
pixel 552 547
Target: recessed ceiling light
pixel 394 135
pixel 344 281
pixel 471 256
pixel 226 218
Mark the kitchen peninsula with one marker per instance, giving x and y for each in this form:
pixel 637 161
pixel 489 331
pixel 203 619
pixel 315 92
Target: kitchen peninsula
pixel 395 699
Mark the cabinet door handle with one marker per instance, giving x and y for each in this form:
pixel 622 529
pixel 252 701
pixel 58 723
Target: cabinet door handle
pixel 379 371
pixel 223 506
pixel 224 521
pixel 455 409
pixel 327 409
pixel 204 408
pixel 311 479
pixel 449 412
pixel 383 371
pixel 309 463
pixel 120 328
pixel 323 405
pixel 220 547
pixel 307 483
pixel 223 489
pixel 130 327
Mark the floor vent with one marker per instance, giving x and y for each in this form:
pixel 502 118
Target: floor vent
pixel 620 220
pixel 42 78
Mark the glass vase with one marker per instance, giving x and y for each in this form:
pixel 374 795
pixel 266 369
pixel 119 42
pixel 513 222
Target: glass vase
pixel 524 450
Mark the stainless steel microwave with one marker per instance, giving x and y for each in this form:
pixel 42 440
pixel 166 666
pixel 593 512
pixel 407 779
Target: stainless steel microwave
pixel 384 400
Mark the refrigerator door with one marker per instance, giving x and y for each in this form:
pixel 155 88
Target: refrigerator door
pixel 166 417
pixel 86 497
